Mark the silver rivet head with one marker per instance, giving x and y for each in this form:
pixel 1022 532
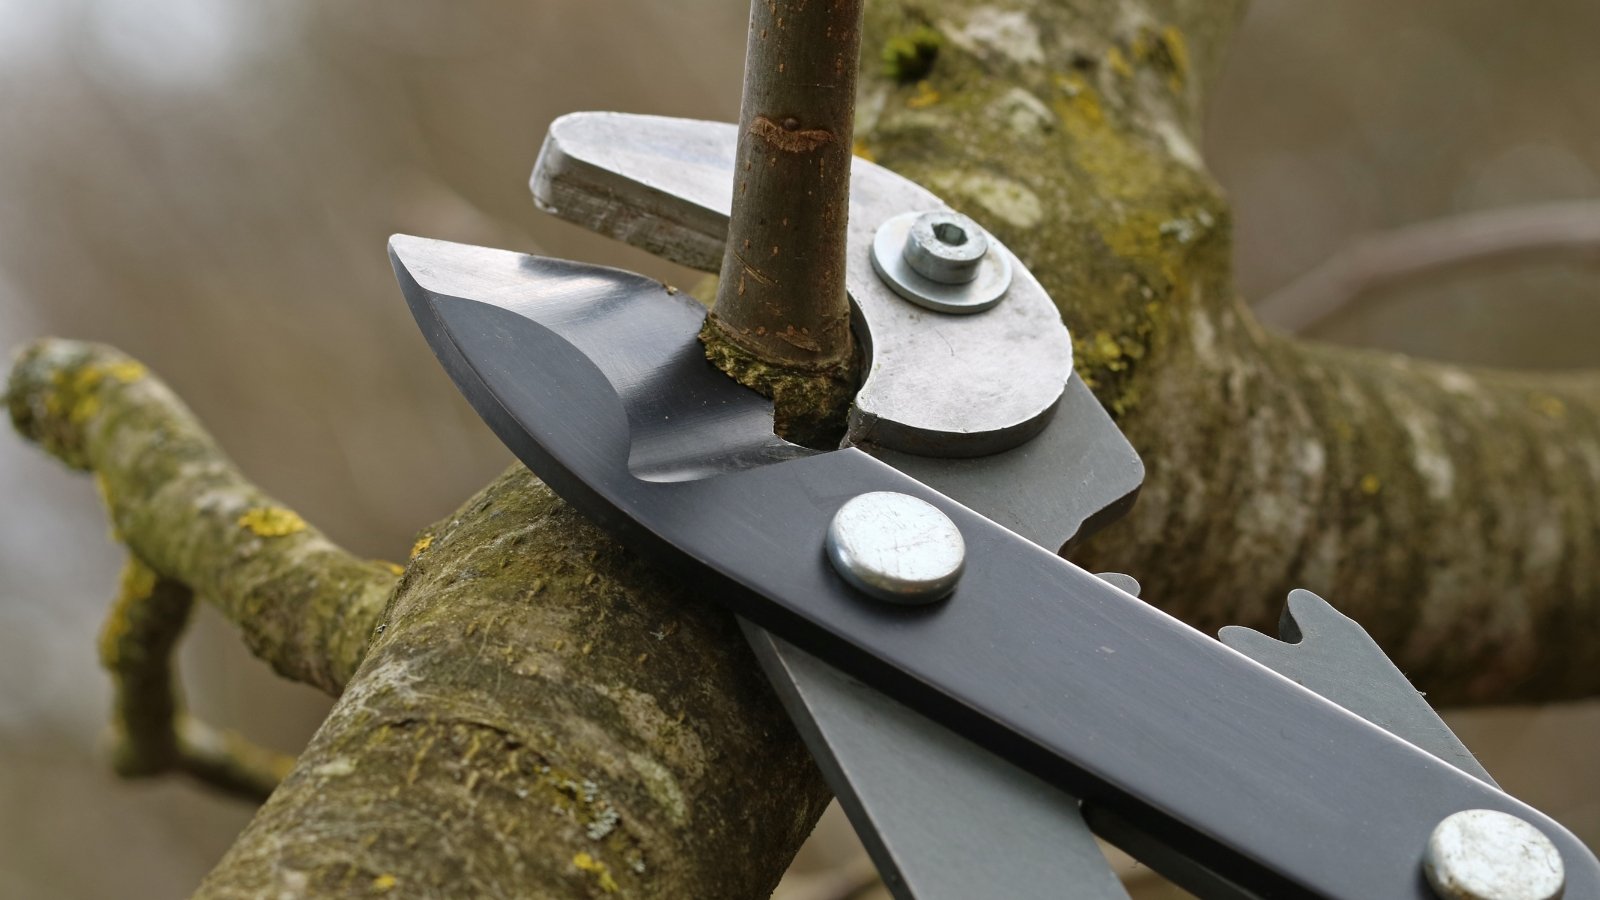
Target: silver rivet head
pixel 896 547
pixel 942 261
pixel 1483 854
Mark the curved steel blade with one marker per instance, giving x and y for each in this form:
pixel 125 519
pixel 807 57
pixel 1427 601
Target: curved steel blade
pixel 709 423
pixel 1074 681
pixel 666 185
pixel 940 818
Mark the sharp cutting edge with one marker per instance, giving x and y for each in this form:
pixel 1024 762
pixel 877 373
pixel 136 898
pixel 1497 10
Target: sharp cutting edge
pixel 595 378
pixel 940 817
pixel 665 185
pixel 918 852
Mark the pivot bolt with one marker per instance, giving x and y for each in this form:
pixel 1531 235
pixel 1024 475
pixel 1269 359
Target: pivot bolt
pixel 896 548
pixel 945 247
pixel 941 260
pixel 1483 854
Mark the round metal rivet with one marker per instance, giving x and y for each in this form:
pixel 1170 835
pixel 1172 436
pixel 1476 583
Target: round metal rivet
pixel 896 548
pixel 942 261
pixel 1483 854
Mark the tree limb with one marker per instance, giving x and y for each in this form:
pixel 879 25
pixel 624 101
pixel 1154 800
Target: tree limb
pixel 303 605
pixel 1454 512
pixel 542 714
pixel 153 734
pixel 539 714
pixel 781 321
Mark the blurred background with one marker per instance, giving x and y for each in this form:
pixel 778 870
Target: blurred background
pixel 209 183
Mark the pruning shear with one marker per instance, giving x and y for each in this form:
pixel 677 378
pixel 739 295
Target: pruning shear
pixel 978 704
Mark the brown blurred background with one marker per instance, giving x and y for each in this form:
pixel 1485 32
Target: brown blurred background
pixel 209 183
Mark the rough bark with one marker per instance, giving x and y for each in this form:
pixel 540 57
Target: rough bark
pixel 301 603
pixel 541 715
pixel 1454 512
pixel 153 733
pixel 781 321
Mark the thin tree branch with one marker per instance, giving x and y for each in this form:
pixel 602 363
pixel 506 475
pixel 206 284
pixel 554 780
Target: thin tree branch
pixel 781 321
pixel 1516 236
pixel 154 736
pixel 303 604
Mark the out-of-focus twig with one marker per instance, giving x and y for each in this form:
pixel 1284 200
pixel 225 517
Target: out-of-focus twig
pixel 181 508
pixel 1555 231
pixel 153 734
pixel 193 525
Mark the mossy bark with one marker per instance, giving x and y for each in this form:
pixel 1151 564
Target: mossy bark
pixel 1453 512
pixel 302 604
pixel 541 715
pixel 538 714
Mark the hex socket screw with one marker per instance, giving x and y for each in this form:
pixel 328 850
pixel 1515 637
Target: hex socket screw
pixel 896 548
pixel 941 260
pixel 1484 854
pixel 945 247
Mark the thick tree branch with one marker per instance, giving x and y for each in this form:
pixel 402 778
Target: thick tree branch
pixel 1455 513
pixel 542 715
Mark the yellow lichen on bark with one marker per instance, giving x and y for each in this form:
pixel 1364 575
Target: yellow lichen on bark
pixel 272 521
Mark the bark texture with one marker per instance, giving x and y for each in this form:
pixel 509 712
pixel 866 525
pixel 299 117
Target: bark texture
pixel 301 603
pixel 541 715
pixel 1453 512
pixel 154 736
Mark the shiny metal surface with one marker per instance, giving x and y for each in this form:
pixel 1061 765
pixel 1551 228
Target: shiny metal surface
pixel 1483 854
pixel 897 774
pixel 942 818
pixel 942 261
pixel 937 263
pixel 946 247
pixel 937 385
pixel 896 548
pixel 1078 683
